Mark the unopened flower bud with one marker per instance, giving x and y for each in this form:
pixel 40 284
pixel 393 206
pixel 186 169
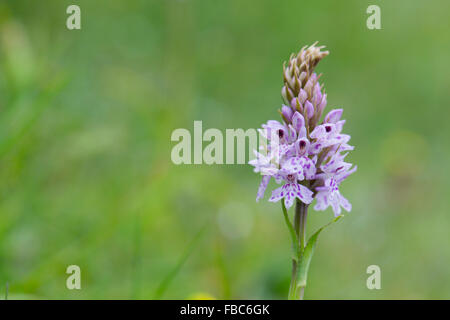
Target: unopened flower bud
pixel 302 96
pixel 309 109
pixel 297 121
pixel 302 76
pixel 287 112
pixel 287 94
pixel 322 104
pixel 317 94
pixel 308 87
pixel 296 105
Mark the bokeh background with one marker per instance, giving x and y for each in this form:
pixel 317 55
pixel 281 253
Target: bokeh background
pixel 85 124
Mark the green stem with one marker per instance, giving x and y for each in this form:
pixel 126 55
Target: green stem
pixel 303 215
pixel 295 249
pixel 301 212
pixel 293 281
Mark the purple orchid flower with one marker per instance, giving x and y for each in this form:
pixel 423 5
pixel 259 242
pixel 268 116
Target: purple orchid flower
pixel 305 154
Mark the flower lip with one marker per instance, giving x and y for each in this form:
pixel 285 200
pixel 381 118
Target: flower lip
pixel 291 178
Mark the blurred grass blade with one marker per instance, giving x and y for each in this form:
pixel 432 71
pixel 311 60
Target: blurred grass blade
pixel 173 273
pixel 308 253
pixel 25 113
pixel 137 258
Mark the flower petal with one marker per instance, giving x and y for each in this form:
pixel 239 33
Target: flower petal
pixel 335 203
pixel 333 116
pixel 309 168
pixel 345 203
pixel 318 132
pixel 277 194
pixel 304 194
pixel 289 198
pixel 293 165
pixel 322 201
pixel 262 187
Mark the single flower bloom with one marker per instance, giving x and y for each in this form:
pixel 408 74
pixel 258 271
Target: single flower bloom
pixel 292 171
pixel 329 194
pixel 327 135
pixel 336 168
pixel 289 192
pixel 333 172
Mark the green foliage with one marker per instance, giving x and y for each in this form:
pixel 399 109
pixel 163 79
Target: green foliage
pixel 307 254
pixel 85 123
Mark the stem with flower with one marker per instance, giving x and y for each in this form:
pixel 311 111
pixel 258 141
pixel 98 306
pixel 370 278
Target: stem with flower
pixel 306 155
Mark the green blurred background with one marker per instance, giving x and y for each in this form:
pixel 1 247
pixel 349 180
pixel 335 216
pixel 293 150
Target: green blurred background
pixel 85 172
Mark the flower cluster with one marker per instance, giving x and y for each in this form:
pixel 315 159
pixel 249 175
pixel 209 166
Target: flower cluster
pixel 304 154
